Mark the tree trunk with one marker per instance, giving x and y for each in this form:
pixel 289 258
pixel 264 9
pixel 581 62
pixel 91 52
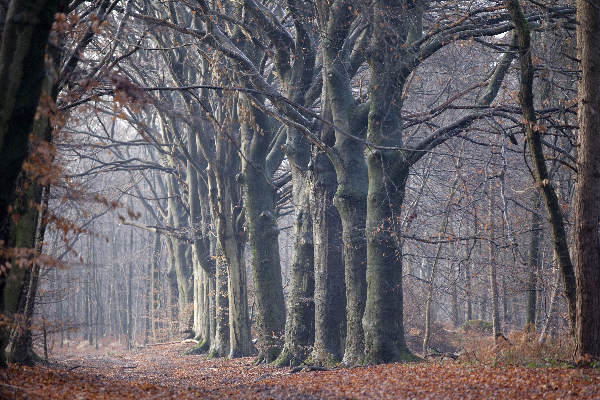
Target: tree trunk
pixel 533 261
pixel 350 201
pixel 586 252
pixel 300 319
pixel 205 321
pixel 483 306
pixel 239 322
pixel 454 306
pixel 229 235
pixel 154 286
pixel 329 268
pixel 86 305
pixel 22 68
pixel 220 344
pixel 24 39
pixel 383 321
pixel 348 159
pixel 212 308
pixel 129 324
pixel 183 271
pixel 21 342
pixel 468 294
pixel 203 264
pixel 15 294
pixel 553 297
pixel 147 296
pixel 172 290
pixel 492 260
pixel 195 230
pixel 387 171
pixel 263 235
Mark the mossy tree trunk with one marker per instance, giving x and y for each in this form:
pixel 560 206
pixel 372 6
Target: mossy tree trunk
pixel 26 29
pixel 21 284
pixel 300 320
pixel 219 346
pixel 387 171
pixel 348 159
pixel 293 61
pixel 383 321
pixel 172 290
pixel 27 231
pixel 228 217
pixel 233 249
pixel 257 133
pixel 330 301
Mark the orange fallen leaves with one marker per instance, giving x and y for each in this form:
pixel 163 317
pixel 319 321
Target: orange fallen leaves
pixel 162 373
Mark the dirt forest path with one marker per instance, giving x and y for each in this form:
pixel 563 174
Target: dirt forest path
pixel 161 372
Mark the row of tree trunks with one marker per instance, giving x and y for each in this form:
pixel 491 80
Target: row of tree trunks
pixel 346 297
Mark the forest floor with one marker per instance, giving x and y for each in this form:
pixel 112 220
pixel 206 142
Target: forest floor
pixel 162 372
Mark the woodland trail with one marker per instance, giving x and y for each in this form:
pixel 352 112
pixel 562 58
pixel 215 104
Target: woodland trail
pixel 161 372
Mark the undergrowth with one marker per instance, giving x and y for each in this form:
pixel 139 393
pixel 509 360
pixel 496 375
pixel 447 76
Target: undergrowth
pixel 519 348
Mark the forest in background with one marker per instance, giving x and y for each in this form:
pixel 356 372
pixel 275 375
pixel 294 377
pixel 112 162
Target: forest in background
pixel 308 183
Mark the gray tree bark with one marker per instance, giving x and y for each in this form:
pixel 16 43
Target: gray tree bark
pixel 492 260
pixel 347 156
pixel 219 346
pixel 182 269
pixel 263 232
pixel 300 320
pixel 329 267
pixel 533 260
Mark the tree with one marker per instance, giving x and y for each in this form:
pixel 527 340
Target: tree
pixel 24 39
pixel 586 251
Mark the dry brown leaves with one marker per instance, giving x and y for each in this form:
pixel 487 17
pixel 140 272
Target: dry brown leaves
pixel 160 372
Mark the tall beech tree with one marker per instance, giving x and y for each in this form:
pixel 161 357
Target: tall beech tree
pixel 24 38
pixel 31 79
pixel 586 252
